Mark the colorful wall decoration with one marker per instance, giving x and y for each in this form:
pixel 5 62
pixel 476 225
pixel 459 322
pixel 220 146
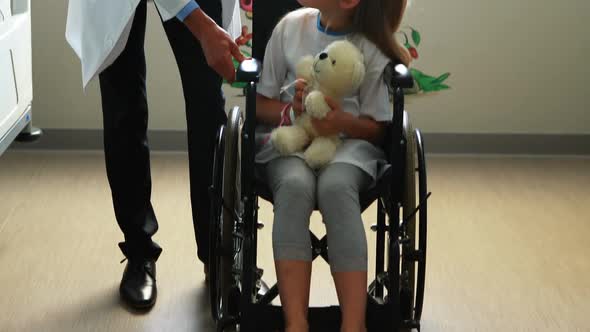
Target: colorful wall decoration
pixel 411 39
pixel 246 6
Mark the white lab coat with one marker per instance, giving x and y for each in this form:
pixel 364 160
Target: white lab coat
pixel 97 30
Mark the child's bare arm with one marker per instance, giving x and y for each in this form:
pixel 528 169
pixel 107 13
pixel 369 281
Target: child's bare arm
pixel 364 128
pixel 337 121
pixel 268 111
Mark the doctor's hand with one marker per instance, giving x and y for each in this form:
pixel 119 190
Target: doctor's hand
pixel 218 46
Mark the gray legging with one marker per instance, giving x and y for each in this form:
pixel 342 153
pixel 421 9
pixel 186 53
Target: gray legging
pixel 296 188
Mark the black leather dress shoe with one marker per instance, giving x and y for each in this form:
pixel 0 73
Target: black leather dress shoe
pixel 138 286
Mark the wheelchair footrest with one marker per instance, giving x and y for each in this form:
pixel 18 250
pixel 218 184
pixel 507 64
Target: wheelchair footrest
pixel 269 318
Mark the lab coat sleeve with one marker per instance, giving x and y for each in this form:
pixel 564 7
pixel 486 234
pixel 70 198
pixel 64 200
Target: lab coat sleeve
pixel 187 10
pixel 73 24
pixel 169 8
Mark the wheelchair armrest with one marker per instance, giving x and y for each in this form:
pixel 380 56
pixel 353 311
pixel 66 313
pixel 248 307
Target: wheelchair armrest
pixel 401 77
pixel 249 71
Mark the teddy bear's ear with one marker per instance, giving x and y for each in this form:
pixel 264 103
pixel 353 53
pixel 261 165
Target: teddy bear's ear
pixel 358 74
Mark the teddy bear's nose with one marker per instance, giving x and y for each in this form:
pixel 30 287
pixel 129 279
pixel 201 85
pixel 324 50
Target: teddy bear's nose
pixel 323 55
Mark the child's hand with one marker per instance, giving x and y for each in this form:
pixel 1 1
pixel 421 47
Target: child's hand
pixel 334 122
pixel 300 87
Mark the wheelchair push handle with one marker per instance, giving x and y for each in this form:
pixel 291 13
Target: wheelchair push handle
pixel 249 71
pixel 401 77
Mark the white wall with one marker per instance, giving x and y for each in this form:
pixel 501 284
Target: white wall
pixel 516 66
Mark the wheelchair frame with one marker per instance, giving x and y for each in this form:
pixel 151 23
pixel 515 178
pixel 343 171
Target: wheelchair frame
pixel 238 296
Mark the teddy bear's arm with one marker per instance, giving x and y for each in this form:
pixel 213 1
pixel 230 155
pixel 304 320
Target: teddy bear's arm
pixel 315 104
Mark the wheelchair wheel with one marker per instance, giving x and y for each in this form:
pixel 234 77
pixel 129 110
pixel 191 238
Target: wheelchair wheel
pixel 408 233
pixel 215 222
pixel 413 234
pixel 222 284
pixel 423 223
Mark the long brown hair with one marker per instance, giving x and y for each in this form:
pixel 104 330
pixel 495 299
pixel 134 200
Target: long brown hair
pixel 378 20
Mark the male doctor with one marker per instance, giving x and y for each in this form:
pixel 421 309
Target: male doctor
pixel 108 37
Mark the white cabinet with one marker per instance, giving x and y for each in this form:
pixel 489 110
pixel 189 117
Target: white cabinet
pixel 16 79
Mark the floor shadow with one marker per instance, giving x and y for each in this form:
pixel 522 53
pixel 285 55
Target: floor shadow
pixel 107 312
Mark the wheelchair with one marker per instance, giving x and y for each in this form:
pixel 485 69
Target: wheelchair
pixel 239 297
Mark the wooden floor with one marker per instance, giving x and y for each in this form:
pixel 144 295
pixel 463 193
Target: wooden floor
pixel 508 250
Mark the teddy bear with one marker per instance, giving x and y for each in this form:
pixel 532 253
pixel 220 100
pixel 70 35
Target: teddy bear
pixel 336 72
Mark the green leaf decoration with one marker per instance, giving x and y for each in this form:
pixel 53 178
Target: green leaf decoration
pixel 416 73
pixel 406 40
pixel 428 88
pixel 441 78
pixel 416 37
pixel 238 85
pixel 429 79
pixel 427 83
pixel 420 85
pixel 435 87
